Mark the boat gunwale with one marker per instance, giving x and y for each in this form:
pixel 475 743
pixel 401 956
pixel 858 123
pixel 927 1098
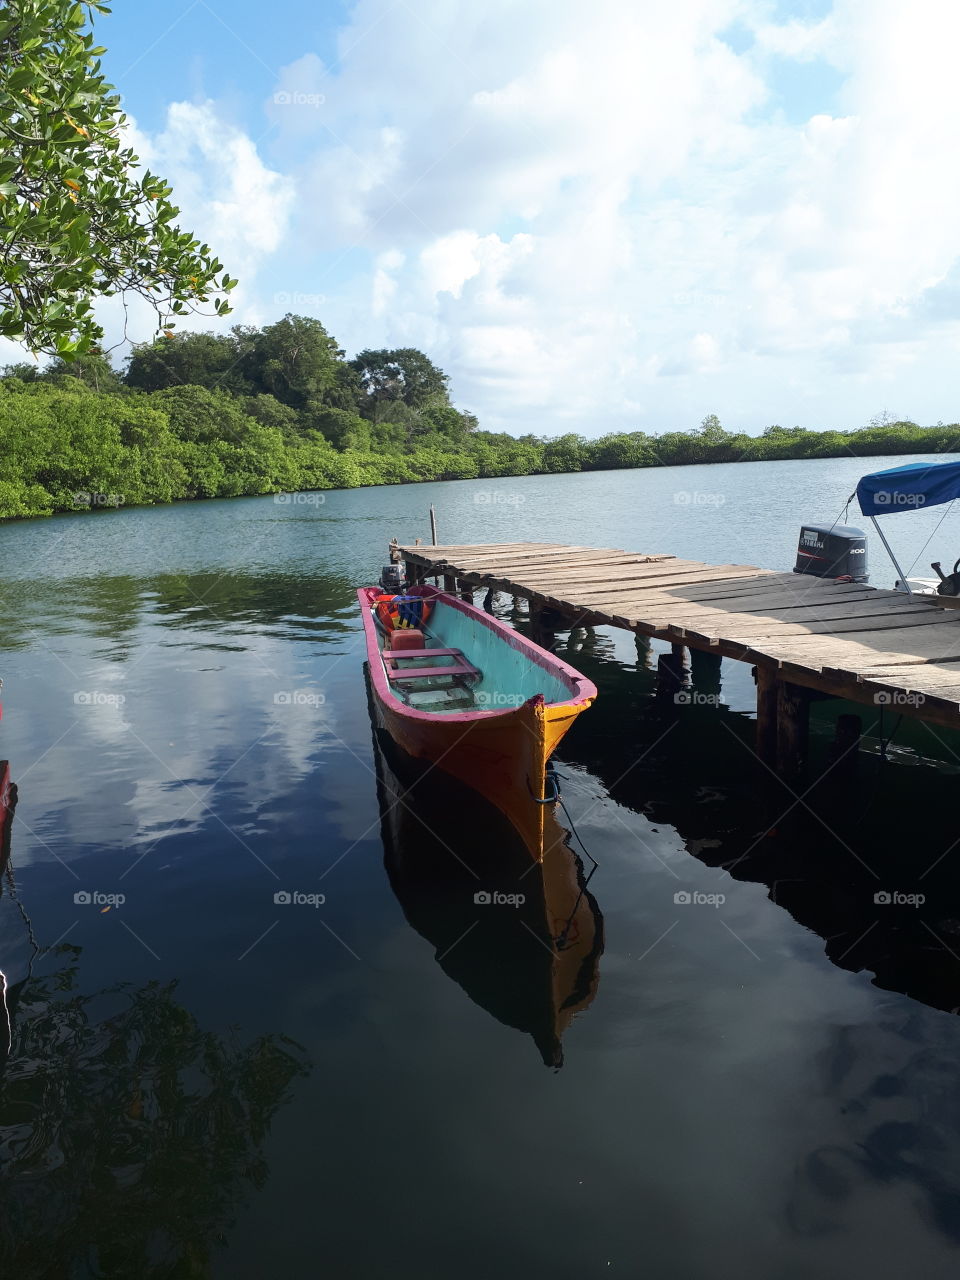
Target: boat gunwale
pixel 584 691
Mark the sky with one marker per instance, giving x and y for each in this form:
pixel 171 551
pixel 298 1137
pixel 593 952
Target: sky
pixel 618 216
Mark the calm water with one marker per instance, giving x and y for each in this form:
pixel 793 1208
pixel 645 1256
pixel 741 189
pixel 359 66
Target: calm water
pixel 205 1081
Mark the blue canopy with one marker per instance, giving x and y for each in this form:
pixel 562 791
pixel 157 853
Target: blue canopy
pixel 919 484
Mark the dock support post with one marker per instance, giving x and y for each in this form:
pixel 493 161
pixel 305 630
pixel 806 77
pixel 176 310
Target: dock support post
pixel 449 583
pixel 670 675
pixel 793 726
pixel 540 632
pixel 767 683
pixel 466 591
pixel 705 670
pixel 488 600
pixel 643 650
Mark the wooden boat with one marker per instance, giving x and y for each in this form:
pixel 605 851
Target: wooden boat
pixel 476 699
pixel 533 966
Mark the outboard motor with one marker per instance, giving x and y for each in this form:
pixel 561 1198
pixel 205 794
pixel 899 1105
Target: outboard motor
pixel 949 582
pixel 832 551
pixel 391 578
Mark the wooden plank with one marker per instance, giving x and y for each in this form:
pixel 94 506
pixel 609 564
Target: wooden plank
pixel 610 570
pixel 792 584
pixel 863 609
pixel 775 604
pixel 534 555
pixel 425 548
pixel 787 600
pixel 673 580
pixel 929 644
pixel 769 577
pixel 751 631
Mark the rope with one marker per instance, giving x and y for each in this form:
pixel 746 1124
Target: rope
pixel 845 512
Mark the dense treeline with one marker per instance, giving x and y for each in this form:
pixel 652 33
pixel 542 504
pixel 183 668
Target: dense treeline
pixel 281 409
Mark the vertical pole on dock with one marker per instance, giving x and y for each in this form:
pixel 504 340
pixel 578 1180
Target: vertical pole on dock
pixel 793 726
pixel 767 683
pixel 433 524
pixel 669 675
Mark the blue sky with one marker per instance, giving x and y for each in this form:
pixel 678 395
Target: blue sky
pixel 616 221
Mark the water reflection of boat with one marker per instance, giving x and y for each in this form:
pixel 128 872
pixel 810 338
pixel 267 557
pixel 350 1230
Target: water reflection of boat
pixel 15 959
pixel 523 939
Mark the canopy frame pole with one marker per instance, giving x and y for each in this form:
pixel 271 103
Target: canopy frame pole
pixel 903 576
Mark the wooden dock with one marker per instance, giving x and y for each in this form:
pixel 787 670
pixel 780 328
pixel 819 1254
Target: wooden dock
pixel 804 635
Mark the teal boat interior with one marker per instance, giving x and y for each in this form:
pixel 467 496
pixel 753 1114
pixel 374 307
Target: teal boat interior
pixel 486 672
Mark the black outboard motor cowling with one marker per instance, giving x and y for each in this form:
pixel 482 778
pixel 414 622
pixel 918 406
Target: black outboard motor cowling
pixel 832 551
pixel 391 578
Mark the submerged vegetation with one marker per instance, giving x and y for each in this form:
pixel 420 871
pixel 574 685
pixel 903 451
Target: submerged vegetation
pixel 281 409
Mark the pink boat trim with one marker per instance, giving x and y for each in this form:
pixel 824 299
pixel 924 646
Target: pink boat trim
pixel 581 689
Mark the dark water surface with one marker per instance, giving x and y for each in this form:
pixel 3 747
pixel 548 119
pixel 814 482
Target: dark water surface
pixel 204 1080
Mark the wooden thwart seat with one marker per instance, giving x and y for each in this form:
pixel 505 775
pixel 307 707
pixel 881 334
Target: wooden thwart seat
pixel 459 667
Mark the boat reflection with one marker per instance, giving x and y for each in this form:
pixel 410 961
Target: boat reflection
pixel 522 938
pixel 16 933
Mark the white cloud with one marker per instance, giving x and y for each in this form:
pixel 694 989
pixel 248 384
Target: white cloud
pixel 605 219
pixel 228 198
